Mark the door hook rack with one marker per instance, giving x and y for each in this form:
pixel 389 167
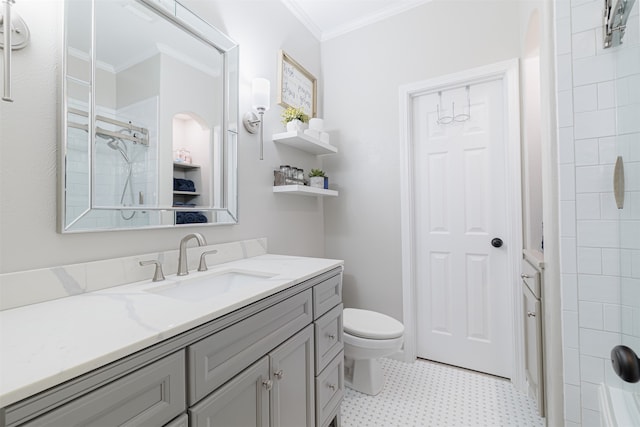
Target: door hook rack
pixel 615 21
pixel 15 35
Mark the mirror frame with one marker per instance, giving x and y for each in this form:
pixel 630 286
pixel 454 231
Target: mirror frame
pixel 187 20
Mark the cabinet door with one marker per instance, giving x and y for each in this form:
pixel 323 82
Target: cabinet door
pixel 533 346
pixel 242 402
pixel 292 371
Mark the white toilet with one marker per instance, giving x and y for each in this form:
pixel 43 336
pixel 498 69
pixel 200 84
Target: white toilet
pixel 368 336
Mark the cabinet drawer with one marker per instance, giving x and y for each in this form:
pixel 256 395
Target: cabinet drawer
pixel 327 295
pixel 150 396
pixel 329 342
pixel 531 277
pixel 329 390
pixel 218 358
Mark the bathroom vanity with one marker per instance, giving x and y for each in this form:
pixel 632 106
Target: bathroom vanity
pixel 257 341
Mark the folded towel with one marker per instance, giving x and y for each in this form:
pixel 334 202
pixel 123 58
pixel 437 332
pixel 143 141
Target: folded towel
pixel 180 184
pixel 190 218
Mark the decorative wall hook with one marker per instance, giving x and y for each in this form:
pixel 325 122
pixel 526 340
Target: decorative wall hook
pixel 15 35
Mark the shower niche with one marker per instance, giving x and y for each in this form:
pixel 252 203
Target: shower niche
pixel 150 118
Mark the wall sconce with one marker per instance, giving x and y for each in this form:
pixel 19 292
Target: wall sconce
pixel 260 94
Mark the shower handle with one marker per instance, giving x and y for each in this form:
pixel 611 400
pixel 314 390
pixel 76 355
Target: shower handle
pixel 625 363
pixel 496 242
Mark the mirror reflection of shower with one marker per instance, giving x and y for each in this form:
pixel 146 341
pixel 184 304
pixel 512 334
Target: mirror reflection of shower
pixel 120 146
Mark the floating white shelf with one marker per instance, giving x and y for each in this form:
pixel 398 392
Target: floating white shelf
pixel 304 190
pixel 301 141
pixel 181 165
pixel 186 193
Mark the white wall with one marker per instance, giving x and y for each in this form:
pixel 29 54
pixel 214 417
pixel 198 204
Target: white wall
pixel 29 138
pixel 598 110
pixel 362 72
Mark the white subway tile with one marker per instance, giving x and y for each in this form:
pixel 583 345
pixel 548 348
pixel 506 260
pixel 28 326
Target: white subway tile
pixel 587 16
pixel 565 145
pixel 608 208
pixel 603 234
pixel 586 152
pixel 572 405
pixel 565 108
pixel 592 369
pixel 606 95
pixel 628 118
pixel 562 9
pixel 585 98
pixel 589 260
pixel 630 291
pixel 564 78
pixel 568 219
pixel 594 179
pixel 570 331
pixel 584 44
pixel 563 36
pixel 597 343
pixel 591 417
pixel 631 264
pixel 602 289
pixel 569 292
pixel 628 61
pixel 595 124
pixel 607 150
pixel 567 182
pixel 588 206
pixel 593 69
pixel 630 235
pixel 590 315
pixel 571 358
pixel 589 393
pixel 611 262
pixel 568 254
pixel 612 313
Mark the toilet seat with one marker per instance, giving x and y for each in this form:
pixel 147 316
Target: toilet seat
pixel 371 325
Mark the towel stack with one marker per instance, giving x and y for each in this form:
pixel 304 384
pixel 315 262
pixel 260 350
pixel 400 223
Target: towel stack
pixel 180 184
pixel 190 218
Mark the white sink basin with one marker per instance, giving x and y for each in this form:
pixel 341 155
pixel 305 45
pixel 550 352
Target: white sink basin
pixel 210 285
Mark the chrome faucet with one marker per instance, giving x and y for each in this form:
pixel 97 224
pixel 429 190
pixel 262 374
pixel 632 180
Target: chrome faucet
pixel 183 266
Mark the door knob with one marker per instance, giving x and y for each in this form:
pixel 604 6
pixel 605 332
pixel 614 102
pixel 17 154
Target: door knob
pixel 496 242
pixel 625 363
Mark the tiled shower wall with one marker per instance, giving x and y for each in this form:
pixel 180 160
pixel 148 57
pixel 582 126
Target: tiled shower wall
pixel 598 100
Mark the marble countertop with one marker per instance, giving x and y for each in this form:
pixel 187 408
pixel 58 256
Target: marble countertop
pixel 45 344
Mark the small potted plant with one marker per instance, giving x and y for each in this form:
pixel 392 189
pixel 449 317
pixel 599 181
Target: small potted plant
pixel 294 119
pixel 317 179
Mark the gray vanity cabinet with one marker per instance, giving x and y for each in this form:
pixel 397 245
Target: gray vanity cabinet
pixel 277 362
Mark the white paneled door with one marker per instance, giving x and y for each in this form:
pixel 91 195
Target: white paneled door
pixel 459 184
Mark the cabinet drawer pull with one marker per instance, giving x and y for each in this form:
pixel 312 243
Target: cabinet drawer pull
pixel 267 384
pixel 331 337
pixel 525 276
pixel 278 374
pixel 531 314
pixel 332 387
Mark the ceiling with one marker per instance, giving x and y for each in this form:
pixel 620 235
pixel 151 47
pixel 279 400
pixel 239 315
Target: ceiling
pixel 330 18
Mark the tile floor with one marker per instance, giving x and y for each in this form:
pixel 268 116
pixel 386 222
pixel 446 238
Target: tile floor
pixel 431 394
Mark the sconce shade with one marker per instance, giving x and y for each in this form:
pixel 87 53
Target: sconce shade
pixel 260 92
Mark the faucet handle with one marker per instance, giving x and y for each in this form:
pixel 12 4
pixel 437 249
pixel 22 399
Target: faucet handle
pixel 158 275
pixel 203 259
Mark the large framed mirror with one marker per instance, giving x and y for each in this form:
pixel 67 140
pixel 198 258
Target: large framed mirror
pixel 149 123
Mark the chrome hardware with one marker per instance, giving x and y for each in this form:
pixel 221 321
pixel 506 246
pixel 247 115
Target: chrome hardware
pixel 267 384
pixel 331 337
pixel 618 183
pixel 158 275
pixel 525 276
pixel 183 267
pixel 278 374
pixel 332 387
pixel 15 36
pixel 203 259
pixel 531 314
pixel 614 21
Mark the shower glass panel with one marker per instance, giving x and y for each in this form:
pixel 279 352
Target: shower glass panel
pixel 627 147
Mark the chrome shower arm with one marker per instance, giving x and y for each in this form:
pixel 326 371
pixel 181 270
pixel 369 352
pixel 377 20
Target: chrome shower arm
pixel 615 21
